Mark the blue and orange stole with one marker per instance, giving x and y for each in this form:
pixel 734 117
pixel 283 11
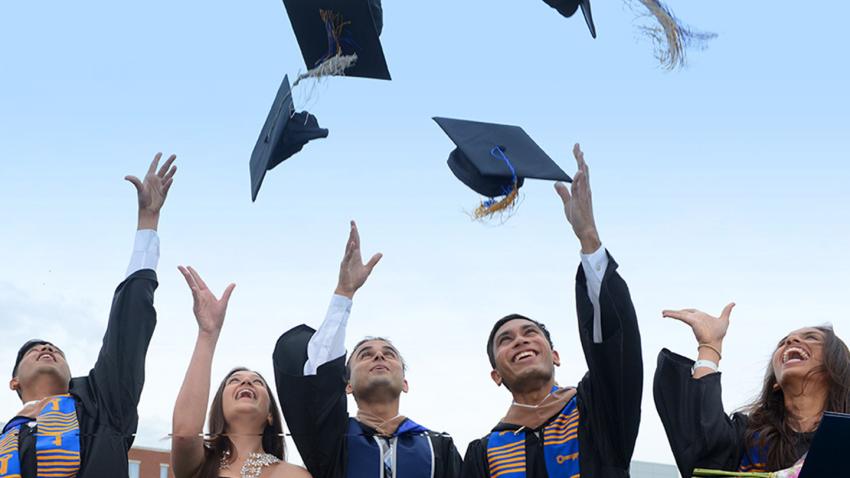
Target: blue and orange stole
pixel 506 449
pixel 57 443
pixel 754 459
pixel 414 453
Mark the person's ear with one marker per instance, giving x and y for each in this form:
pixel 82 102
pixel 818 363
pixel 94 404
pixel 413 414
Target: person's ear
pixel 404 386
pixel 556 358
pixel 497 377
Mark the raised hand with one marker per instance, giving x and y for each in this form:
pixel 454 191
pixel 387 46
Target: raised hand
pixel 153 190
pixel 706 328
pixel 578 205
pixel 209 311
pixel 352 272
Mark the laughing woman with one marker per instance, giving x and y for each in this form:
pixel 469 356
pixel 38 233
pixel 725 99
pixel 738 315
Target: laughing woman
pixel 245 428
pixel 809 373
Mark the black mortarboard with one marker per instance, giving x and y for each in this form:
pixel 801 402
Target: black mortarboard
pixel 23 350
pixel 489 156
pixel 283 135
pixel 325 28
pixel 568 7
pixel 827 455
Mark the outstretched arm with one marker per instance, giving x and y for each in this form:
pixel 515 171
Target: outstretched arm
pixel 328 342
pixel 151 197
pixel 187 443
pixel 309 369
pixel 688 398
pixel 608 329
pixel 118 375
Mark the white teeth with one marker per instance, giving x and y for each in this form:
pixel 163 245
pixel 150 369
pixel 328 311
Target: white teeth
pixel 523 355
pixel 245 393
pixel 799 355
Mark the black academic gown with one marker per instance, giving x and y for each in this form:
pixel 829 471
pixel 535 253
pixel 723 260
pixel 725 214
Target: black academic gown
pixel 107 399
pixel 700 433
pixel 608 396
pixel 315 409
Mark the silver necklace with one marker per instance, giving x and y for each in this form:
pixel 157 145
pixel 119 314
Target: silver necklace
pixel 539 404
pixel 254 464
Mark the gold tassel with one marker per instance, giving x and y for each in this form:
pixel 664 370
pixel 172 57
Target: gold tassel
pixel 484 211
pixel 338 25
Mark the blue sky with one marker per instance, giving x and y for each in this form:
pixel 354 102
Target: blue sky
pixel 723 181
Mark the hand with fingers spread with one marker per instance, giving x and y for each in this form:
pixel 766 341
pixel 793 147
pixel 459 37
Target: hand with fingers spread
pixel 352 272
pixel 153 190
pixel 578 205
pixel 209 311
pixel 708 330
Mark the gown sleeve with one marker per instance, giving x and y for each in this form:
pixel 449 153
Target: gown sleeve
pixel 119 373
pixel 314 406
pixel 612 388
pixel 449 461
pixel 475 460
pixel 700 433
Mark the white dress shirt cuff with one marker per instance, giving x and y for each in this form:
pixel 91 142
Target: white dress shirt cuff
pixel 595 265
pixel 145 251
pixel 328 343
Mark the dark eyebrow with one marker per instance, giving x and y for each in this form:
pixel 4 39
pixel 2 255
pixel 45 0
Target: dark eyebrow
pixel 253 375
pixel 363 349
pixel 389 348
pixel 502 335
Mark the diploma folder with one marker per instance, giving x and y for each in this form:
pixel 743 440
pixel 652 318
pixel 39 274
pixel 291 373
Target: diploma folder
pixel 828 454
pixel 825 459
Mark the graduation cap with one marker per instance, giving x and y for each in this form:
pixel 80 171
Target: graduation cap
pixel 494 160
pixel 284 134
pixel 568 7
pixel 827 454
pixel 339 37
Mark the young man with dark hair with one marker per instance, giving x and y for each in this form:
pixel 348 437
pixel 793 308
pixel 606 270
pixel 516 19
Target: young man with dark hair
pixel 313 379
pixel 83 427
pixel 551 431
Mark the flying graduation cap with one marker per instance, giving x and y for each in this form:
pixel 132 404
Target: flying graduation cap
pixel 494 160
pixel 568 7
pixel 284 134
pixel 670 37
pixel 339 37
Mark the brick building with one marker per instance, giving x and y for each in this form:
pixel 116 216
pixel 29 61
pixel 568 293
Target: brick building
pixel 150 463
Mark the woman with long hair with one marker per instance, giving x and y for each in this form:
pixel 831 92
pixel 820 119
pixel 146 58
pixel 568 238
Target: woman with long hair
pixel 245 437
pixel 808 374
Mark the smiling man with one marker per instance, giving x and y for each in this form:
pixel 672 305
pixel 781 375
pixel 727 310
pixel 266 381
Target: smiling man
pixel 83 427
pixel 553 431
pixel 313 379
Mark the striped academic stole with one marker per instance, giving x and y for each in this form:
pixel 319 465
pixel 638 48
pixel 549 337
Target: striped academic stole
pixel 57 443
pixel 754 459
pixel 506 449
pixel 408 453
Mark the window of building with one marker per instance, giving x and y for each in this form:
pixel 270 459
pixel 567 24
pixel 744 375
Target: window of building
pixel 134 468
pixel 163 470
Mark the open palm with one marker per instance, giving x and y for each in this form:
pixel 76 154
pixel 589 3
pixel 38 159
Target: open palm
pixel 153 190
pixel 352 271
pixel 209 310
